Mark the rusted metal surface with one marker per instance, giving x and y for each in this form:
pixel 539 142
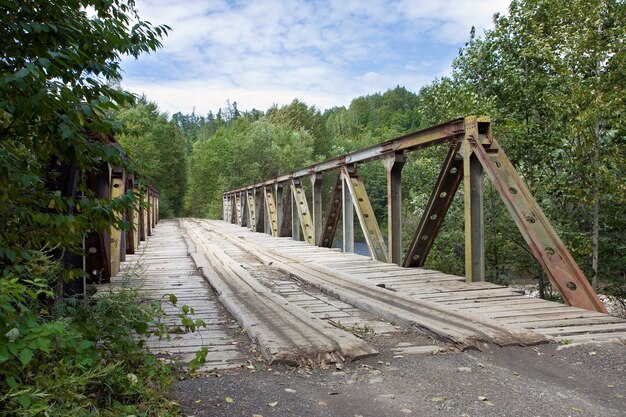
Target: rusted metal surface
pixel 473 205
pixel 420 139
pixel 304 215
pixel 545 244
pixel 332 215
pixel 394 162
pixel 251 210
pixel 285 211
pixel 365 214
pixel 271 210
pixel 436 209
pixel 316 189
pixel 472 139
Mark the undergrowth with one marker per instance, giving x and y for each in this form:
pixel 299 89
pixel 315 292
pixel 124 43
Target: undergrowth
pixel 79 358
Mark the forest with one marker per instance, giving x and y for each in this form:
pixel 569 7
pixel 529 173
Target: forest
pixel 550 74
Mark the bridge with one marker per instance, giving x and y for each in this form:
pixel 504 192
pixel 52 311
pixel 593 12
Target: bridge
pixel 272 265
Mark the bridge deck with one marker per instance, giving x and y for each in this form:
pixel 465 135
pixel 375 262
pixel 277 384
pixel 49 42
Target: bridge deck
pixel 161 266
pixel 303 304
pixel 479 302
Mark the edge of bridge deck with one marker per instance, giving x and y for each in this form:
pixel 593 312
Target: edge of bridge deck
pixel 486 301
pixel 161 265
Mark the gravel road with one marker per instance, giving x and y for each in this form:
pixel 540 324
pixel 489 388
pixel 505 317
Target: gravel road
pixel 585 380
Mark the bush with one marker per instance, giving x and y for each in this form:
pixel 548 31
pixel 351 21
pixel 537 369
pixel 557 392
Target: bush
pixel 76 358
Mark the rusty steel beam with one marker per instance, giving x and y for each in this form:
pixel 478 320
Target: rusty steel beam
pixel 302 208
pixel 412 141
pixel 332 215
pixel 436 209
pixel 347 215
pixel 393 165
pixel 251 210
pixel 545 244
pixel 316 187
pixel 286 217
pixel 271 210
pixel 473 206
pixel 259 209
pixel 115 234
pixel 365 214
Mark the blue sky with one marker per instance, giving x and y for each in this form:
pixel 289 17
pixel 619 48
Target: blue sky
pixel 324 52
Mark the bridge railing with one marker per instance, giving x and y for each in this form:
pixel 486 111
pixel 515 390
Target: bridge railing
pixel 279 206
pixel 105 250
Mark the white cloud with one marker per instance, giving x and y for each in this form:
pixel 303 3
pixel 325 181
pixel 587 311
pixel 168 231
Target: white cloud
pixel 324 52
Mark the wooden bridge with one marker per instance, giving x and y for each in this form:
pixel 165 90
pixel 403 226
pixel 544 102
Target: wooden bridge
pixel 272 264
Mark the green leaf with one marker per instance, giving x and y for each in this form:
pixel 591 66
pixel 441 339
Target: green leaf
pixel 85 344
pixel 141 327
pixel 10 254
pixel 25 400
pixel 25 356
pixel 4 354
pixel 43 344
pixel 11 382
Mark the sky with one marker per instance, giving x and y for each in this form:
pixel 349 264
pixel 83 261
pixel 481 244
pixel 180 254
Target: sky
pixel 323 52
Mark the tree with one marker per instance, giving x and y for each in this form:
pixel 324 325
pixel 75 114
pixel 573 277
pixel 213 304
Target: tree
pixel 555 70
pixel 160 146
pixel 58 65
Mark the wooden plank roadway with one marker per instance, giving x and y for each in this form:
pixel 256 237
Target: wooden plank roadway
pixel 160 266
pixel 480 302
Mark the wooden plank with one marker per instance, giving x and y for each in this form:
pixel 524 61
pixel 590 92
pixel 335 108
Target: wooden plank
pixel 594 328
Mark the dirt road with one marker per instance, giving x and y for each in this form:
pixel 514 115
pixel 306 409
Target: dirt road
pixel 588 380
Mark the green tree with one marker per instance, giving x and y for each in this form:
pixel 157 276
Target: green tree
pixel 552 71
pixel 57 71
pixel 161 148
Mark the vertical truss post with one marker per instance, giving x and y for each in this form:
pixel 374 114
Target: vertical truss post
pixel 238 209
pixel 304 215
pixel 473 199
pixel 348 214
pixel 332 215
pixel 393 165
pixel 244 208
pixel 117 190
pixel 259 209
pixel 365 214
pixel 295 219
pixel 545 244
pixel 270 207
pixel 251 210
pixel 225 207
pixel 286 217
pixel 233 209
pixel 436 209
pixel 148 211
pixel 278 195
pixel 316 186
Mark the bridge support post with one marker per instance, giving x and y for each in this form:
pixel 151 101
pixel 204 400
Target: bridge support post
pixel 117 190
pixel 232 209
pixel 473 199
pixel 347 217
pixel 436 209
pixel 270 207
pixel 251 210
pixel 302 207
pixel 332 214
pixel 365 213
pixel 393 165
pixel 285 211
pixel 259 210
pixel 295 219
pixel 238 209
pixel 316 185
